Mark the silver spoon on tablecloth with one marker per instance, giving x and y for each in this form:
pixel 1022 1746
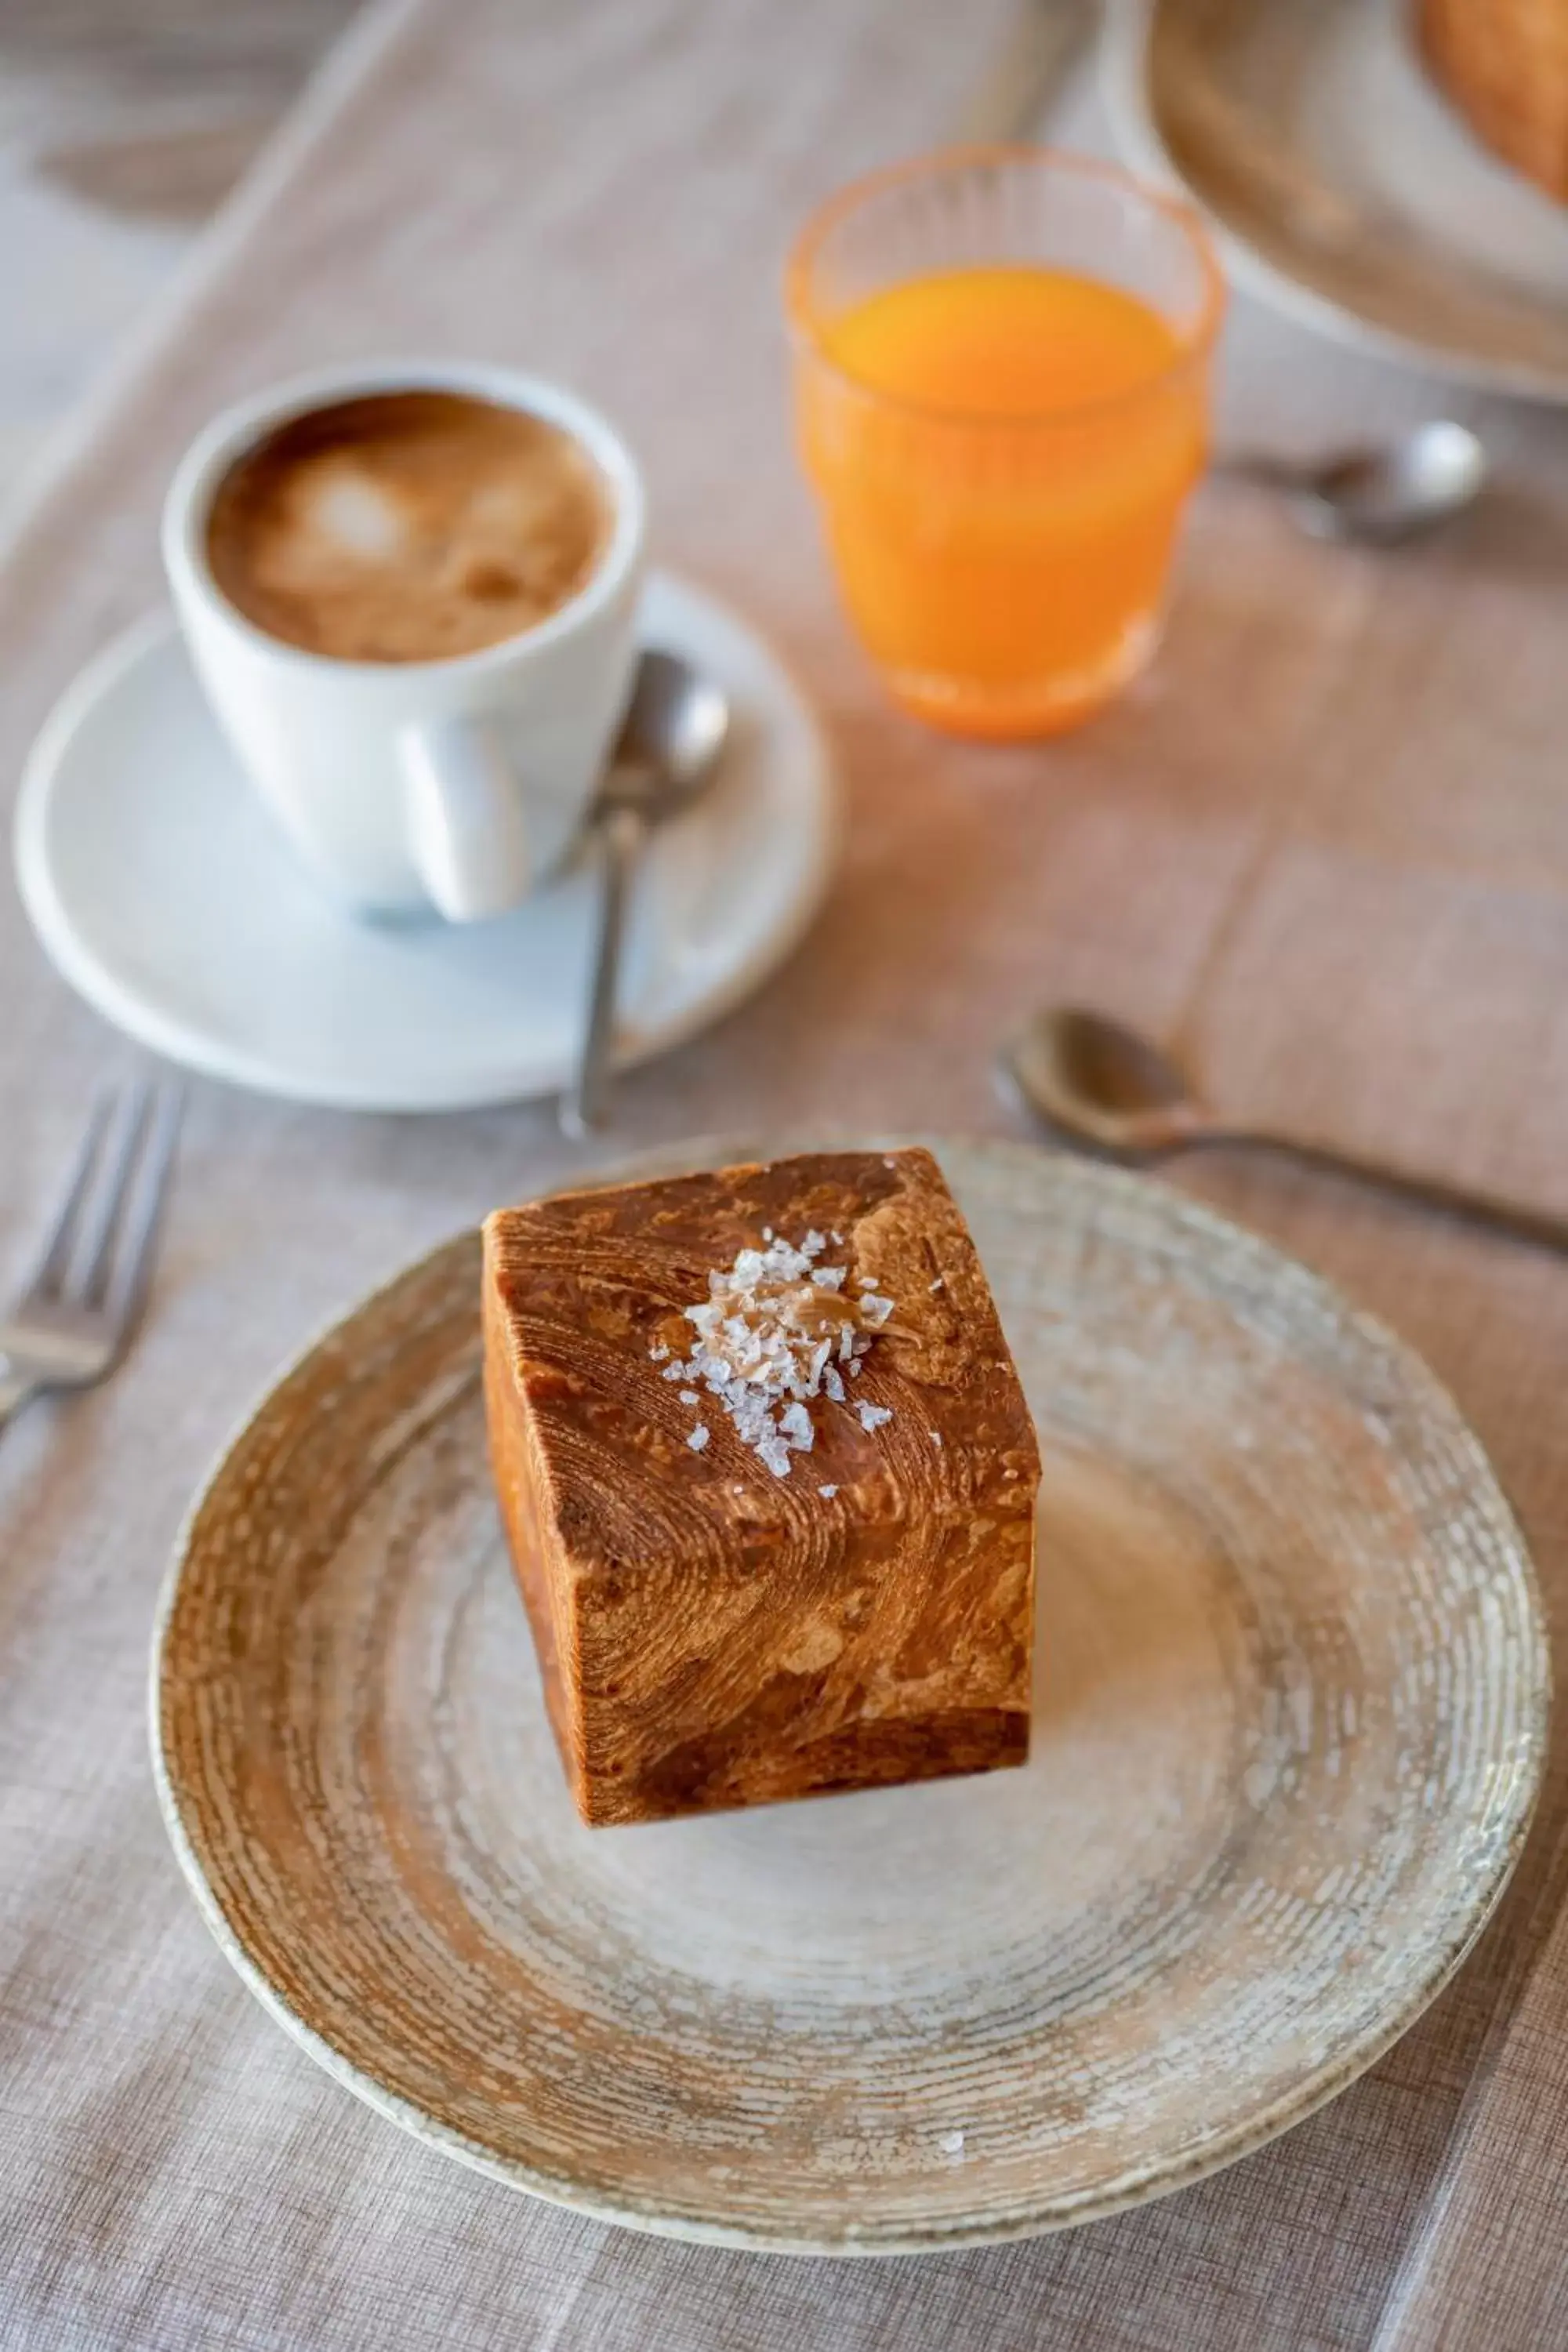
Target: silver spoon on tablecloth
pixel 1377 495
pixel 1101 1083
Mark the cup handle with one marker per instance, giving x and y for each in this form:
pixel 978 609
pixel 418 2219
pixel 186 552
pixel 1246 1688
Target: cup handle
pixel 467 833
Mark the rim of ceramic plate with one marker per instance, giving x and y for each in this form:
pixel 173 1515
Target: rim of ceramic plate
pixel 1177 2169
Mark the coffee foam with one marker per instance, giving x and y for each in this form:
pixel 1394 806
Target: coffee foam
pixel 407 526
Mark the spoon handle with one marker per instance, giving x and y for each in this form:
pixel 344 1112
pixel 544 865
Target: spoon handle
pixel 622 831
pixel 14 1392
pixel 1483 1209
pixel 1256 466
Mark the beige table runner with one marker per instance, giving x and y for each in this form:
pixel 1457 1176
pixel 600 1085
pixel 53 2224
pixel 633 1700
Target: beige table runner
pixel 1327 842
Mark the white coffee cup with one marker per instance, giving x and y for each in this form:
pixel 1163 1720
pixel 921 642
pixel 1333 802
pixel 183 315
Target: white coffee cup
pixel 456 784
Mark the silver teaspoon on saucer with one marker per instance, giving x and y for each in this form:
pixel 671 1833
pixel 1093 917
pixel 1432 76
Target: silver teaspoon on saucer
pixel 1101 1083
pixel 665 758
pixel 1396 490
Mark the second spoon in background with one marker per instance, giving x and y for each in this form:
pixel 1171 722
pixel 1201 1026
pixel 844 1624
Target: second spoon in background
pixel 1379 495
pixel 1098 1082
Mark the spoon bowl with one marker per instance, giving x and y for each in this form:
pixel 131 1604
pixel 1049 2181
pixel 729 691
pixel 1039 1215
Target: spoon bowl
pixel 1406 486
pixel 674 729
pixel 1378 496
pixel 1101 1082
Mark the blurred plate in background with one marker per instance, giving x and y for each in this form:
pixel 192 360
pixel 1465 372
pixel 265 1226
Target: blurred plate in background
pixel 1346 191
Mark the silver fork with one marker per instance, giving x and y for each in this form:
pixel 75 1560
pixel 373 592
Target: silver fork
pixel 77 1312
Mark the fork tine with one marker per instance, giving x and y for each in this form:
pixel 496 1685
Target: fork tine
pixel 138 1242
pixel 56 1255
pixel 87 1268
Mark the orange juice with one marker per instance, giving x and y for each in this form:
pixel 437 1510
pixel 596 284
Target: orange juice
pixel 1006 579
pixel 1002 385
pixel 1003 341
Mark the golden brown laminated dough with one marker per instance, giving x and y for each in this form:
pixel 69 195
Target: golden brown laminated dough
pixel 711 1632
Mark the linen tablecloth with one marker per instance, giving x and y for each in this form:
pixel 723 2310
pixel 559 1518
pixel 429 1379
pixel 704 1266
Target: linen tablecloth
pixel 1325 845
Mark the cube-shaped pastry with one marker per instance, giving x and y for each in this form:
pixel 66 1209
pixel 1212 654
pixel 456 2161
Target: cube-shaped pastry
pixel 768 1478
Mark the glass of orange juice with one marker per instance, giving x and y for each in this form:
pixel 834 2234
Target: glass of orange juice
pixel 1002 375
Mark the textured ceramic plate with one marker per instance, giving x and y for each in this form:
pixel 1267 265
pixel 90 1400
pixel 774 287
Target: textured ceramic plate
pixel 1347 191
pixel 1291 1702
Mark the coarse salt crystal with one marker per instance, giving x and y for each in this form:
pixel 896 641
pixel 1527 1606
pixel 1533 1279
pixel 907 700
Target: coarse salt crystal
pixel 659 1352
pixel 698 1437
pixel 952 2143
pixel 773 1333
pixel 938 1283
pixel 872 1416
pixel 936 1437
pixel 827 1493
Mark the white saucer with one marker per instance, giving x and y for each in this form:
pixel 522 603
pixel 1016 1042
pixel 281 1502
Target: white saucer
pixel 159 889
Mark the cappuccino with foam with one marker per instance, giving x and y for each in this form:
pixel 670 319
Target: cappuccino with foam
pixel 407 526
